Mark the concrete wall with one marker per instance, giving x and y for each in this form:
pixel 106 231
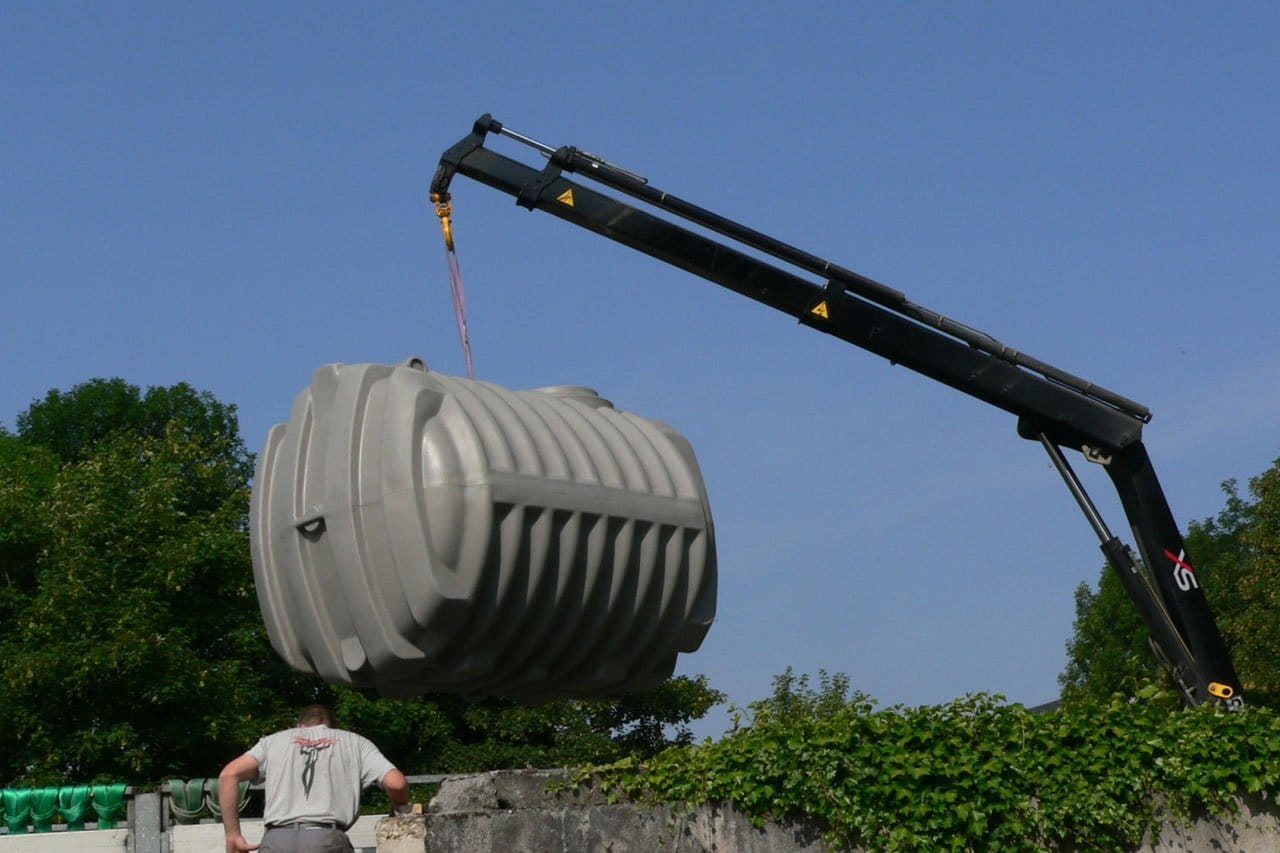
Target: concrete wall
pixel 513 810
pixel 1255 829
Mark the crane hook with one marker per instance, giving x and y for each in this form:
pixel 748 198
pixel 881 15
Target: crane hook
pixel 444 210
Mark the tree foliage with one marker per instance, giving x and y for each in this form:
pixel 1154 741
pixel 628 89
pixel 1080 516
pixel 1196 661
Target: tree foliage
pixel 1250 598
pixel 131 645
pixel 1108 652
pixel 450 734
pixel 26 476
pixel 1237 554
pixel 71 424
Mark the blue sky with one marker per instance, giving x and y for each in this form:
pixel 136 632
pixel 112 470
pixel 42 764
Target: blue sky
pixel 232 195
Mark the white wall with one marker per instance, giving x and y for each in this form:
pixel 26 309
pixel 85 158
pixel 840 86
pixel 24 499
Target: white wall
pixel 197 838
pixel 84 841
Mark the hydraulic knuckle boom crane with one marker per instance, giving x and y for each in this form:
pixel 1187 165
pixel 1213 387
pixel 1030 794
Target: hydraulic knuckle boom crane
pixel 1053 407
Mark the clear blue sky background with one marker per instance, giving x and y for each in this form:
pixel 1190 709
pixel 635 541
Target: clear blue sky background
pixel 232 196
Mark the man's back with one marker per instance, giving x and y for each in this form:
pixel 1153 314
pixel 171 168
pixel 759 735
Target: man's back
pixel 316 773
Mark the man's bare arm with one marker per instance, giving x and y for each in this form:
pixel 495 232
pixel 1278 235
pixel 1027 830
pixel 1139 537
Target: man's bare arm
pixel 397 787
pixel 243 769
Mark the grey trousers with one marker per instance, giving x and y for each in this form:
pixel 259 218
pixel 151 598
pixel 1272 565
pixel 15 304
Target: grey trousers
pixel 305 839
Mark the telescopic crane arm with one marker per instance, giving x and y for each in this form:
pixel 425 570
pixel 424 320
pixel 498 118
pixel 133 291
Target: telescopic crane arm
pixel 1053 407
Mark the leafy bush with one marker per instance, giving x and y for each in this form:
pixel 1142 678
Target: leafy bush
pixel 971 774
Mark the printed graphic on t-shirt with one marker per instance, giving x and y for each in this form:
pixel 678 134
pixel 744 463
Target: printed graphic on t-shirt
pixel 310 748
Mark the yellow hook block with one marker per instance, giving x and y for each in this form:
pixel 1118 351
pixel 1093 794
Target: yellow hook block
pixel 444 210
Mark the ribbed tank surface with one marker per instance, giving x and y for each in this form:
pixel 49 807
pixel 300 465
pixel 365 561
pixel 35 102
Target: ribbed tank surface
pixel 417 532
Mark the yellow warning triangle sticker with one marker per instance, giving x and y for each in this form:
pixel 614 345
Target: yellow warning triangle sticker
pixel 566 197
pixel 820 310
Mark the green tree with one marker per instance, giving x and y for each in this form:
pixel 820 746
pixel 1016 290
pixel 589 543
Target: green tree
pixel 452 734
pixel 1237 553
pixel 72 423
pixel 1108 651
pixel 1250 598
pixel 129 638
pixel 26 475
pixel 139 653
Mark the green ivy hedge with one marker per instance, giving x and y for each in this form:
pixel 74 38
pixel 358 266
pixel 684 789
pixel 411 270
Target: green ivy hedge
pixel 972 774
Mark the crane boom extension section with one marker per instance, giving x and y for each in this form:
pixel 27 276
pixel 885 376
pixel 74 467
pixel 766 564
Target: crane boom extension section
pixel 1052 406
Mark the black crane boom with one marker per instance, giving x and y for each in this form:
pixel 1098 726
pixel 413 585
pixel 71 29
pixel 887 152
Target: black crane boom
pixel 1052 406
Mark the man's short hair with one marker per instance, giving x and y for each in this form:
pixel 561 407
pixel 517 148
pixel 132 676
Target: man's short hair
pixel 316 715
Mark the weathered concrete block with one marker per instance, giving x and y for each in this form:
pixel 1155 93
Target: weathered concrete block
pixel 516 810
pixel 510 789
pixel 1255 828
pixel 402 834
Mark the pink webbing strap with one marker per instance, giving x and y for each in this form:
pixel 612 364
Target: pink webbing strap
pixel 460 310
pixel 444 210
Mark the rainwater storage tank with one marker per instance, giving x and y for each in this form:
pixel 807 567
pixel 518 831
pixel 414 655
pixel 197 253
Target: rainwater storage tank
pixel 416 532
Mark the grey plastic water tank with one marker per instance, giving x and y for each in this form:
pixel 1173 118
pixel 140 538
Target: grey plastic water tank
pixel 417 532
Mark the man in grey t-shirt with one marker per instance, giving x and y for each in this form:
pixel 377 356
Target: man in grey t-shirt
pixel 314 774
